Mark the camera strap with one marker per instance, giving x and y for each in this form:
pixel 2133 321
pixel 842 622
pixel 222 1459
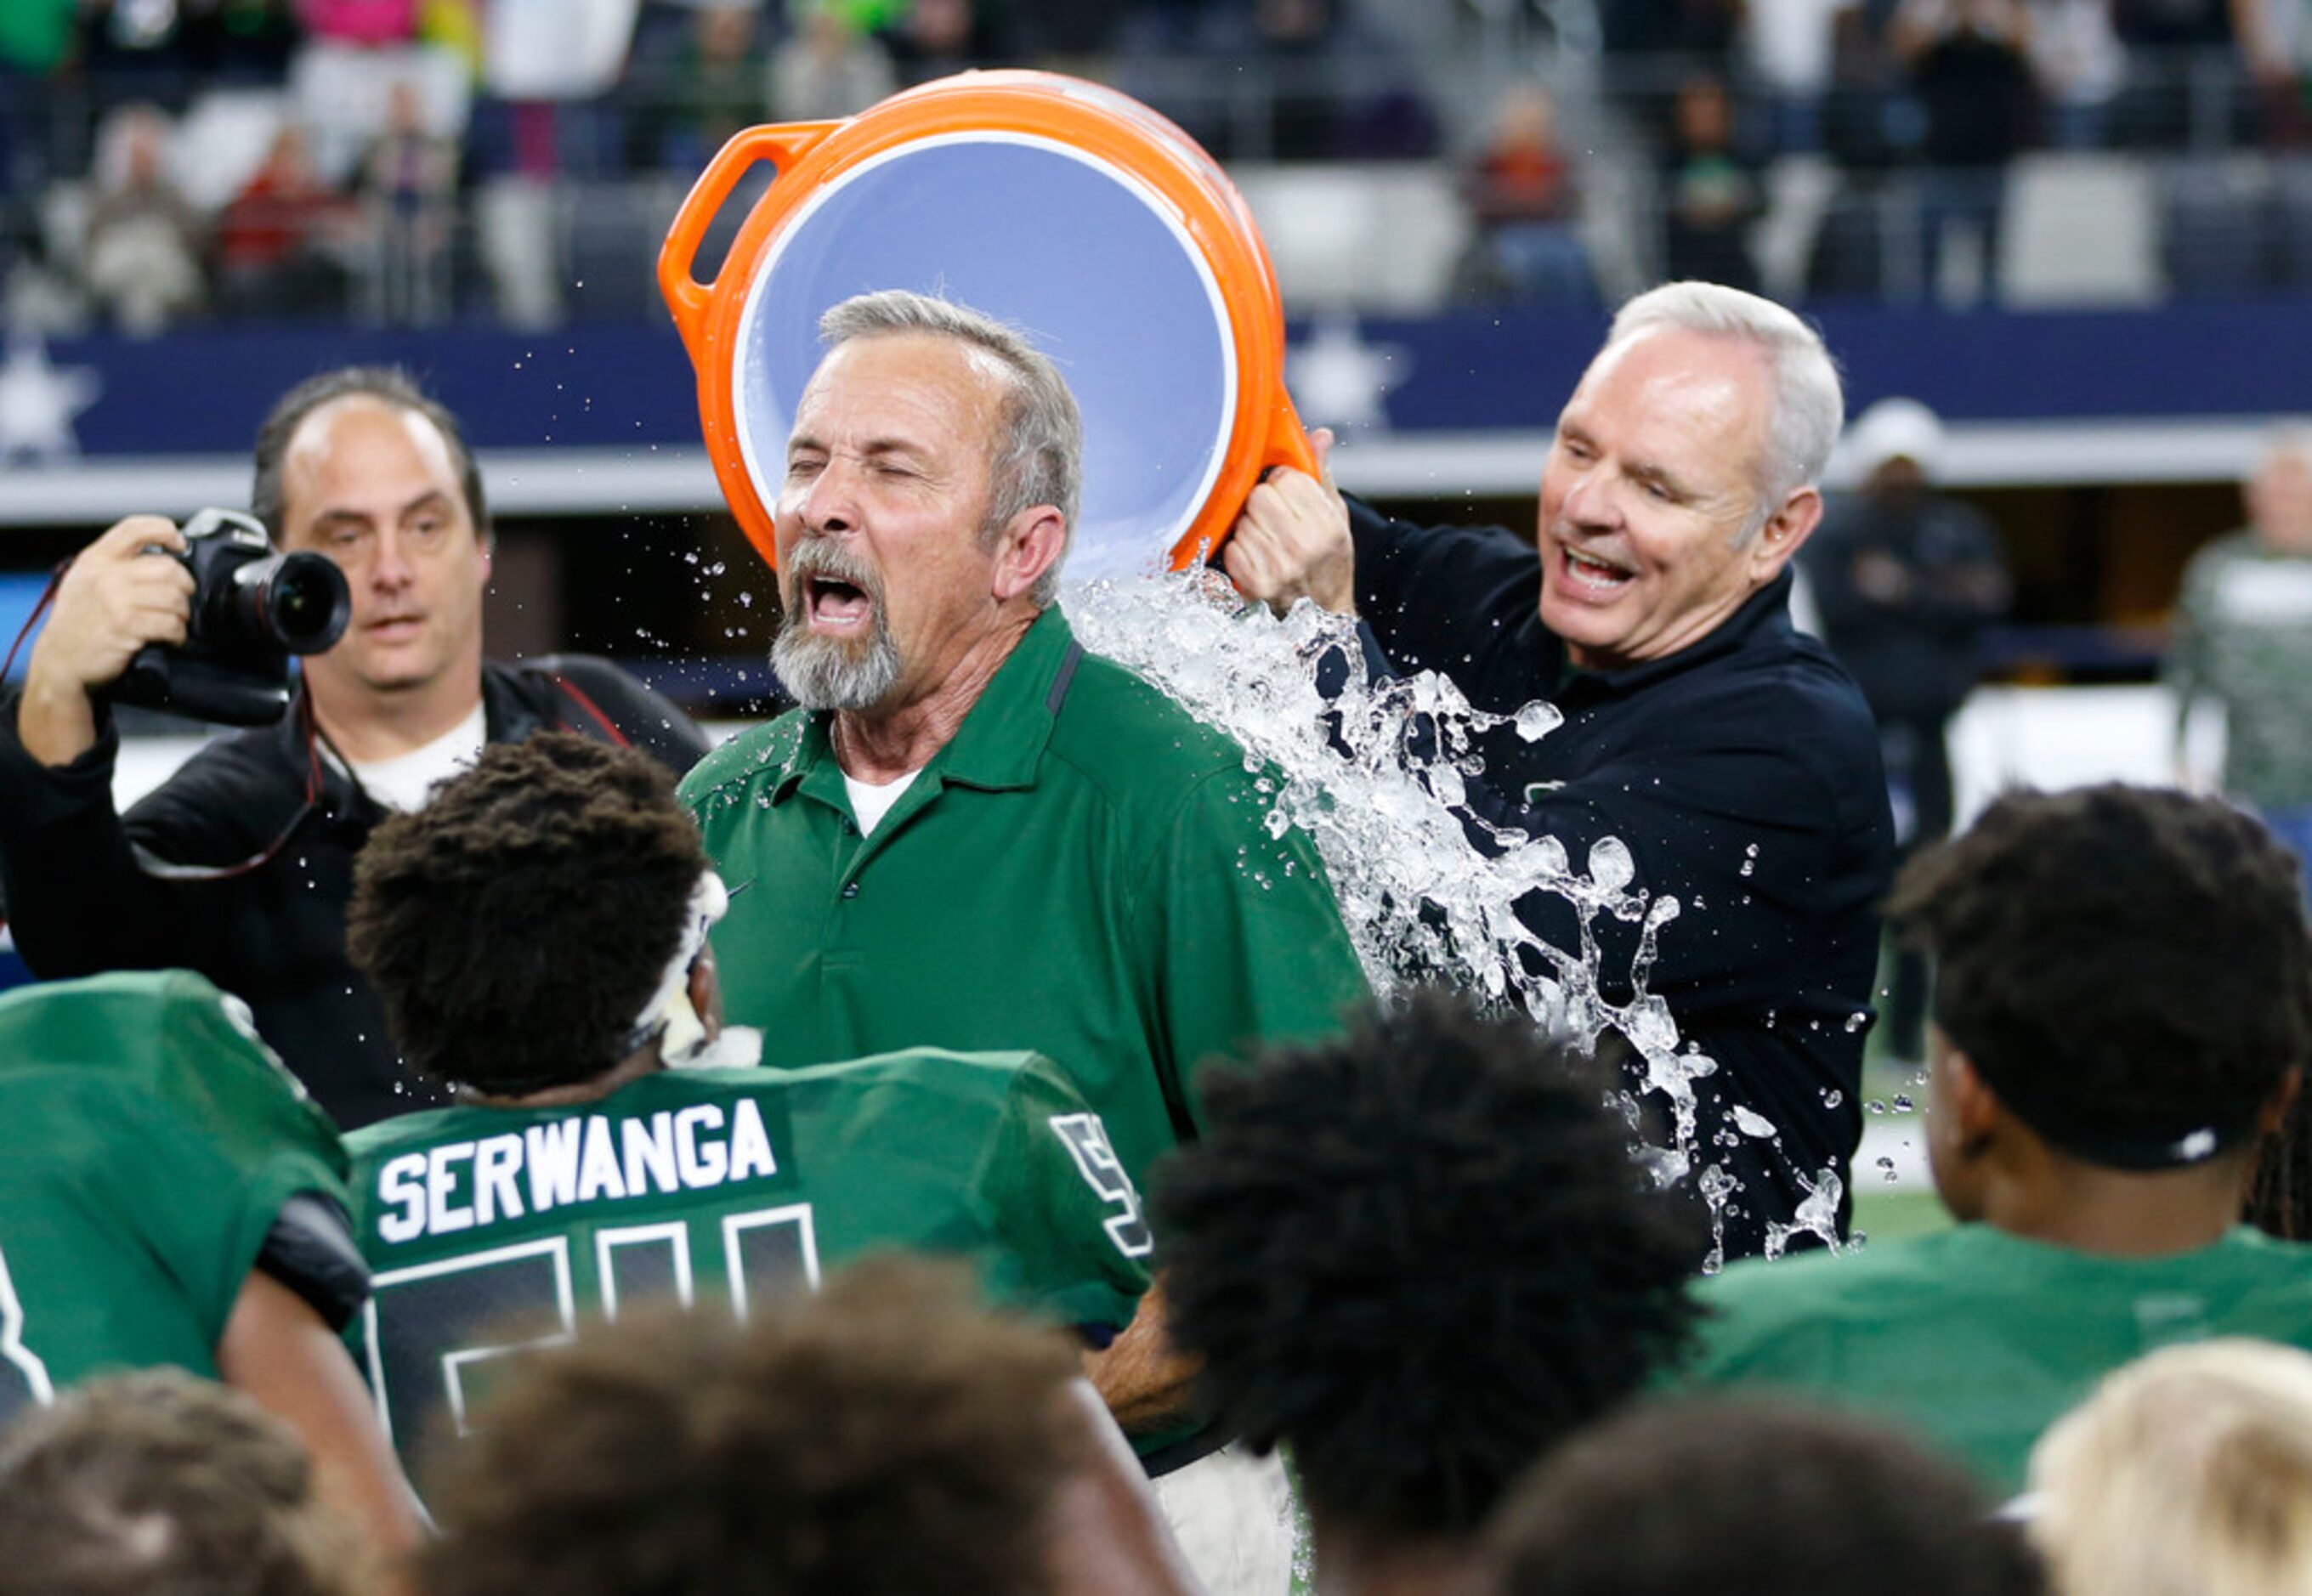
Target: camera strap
pixel 310 735
pixel 39 607
pixel 577 695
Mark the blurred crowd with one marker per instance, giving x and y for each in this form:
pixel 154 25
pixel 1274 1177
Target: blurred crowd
pixel 398 160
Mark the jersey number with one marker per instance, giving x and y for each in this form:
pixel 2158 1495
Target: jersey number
pixel 437 1332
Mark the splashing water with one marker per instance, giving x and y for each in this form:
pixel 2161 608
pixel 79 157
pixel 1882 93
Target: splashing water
pixel 1376 776
pixel 1817 1214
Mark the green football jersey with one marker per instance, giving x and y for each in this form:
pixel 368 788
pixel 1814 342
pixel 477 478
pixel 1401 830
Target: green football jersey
pixel 153 1141
pixel 491 1229
pixel 1980 1339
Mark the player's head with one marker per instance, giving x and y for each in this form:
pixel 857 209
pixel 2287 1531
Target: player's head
pixel 518 927
pixel 160 1484
pixel 1753 1499
pixel 2124 981
pixel 1419 1253
pixel 2190 1469
pixel 884 1439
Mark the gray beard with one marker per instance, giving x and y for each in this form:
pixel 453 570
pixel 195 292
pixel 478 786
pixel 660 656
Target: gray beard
pixel 822 675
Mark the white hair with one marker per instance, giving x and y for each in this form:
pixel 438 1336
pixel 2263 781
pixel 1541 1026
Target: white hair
pixel 1809 407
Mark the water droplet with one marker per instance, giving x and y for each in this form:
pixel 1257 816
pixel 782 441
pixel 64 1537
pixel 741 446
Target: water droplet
pixel 1537 719
pixel 1832 1097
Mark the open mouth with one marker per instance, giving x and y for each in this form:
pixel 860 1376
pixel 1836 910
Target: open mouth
pixel 1591 575
pixel 835 604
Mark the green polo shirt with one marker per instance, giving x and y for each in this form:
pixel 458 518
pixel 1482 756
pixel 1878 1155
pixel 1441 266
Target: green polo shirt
pixel 1083 871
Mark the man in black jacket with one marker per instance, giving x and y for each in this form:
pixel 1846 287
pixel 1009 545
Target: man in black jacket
pixel 1733 757
pixel 240 866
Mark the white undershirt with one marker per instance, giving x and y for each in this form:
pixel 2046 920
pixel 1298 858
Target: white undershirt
pixel 407 780
pixel 870 802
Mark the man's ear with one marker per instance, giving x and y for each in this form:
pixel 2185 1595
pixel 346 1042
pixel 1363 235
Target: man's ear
pixel 1028 544
pixel 1785 530
pixel 705 992
pixel 1975 1109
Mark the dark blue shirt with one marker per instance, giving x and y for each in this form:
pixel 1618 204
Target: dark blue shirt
pixel 1743 774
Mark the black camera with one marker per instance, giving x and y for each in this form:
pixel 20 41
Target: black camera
pixel 252 608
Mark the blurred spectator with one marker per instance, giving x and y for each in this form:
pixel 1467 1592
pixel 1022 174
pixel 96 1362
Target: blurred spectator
pixel 360 22
pixel 161 1484
pixel 1789 45
pixel 1968 72
pixel 2078 64
pixel 885 1438
pixel 1713 192
pixel 936 37
pixel 1704 27
pixel 2188 1471
pixel 1420 1256
pixel 1906 581
pixel 35 35
pixel 2122 1007
pixel 2276 44
pixel 2243 641
pixel 280 240
pixel 1521 192
pixel 829 69
pixel 1754 1499
pixel 2169 24
pixel 711 85
pixel 409 182
pixel 142 258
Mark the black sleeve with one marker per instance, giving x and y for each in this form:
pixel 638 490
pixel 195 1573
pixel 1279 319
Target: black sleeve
pixel 644 716
pixel 1457 599
pixel 310 1251
pixel 76 900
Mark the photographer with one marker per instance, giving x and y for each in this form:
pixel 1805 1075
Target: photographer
pixel 240 866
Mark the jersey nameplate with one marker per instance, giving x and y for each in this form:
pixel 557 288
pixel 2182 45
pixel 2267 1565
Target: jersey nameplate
pixel 584 1158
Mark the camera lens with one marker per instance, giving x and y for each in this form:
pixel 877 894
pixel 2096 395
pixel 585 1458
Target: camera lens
pixel 307 604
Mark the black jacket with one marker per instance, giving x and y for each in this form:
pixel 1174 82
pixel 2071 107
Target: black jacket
pixel 1742 773
pixel 89 891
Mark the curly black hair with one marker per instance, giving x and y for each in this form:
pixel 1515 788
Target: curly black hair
pixel 1419 1254
pixel 515 925
pixel 1750 1498
pixel 888 1436
pixel 2119 962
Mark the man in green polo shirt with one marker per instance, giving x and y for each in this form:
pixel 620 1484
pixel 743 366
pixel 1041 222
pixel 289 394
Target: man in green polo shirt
pixel 2124 1001
pixel 974 835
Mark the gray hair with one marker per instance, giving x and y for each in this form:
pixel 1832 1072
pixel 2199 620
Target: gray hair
pixel 1808 407
pixel 1039 457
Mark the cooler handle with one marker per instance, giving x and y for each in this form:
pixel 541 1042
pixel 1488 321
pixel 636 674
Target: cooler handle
pixel 782 144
